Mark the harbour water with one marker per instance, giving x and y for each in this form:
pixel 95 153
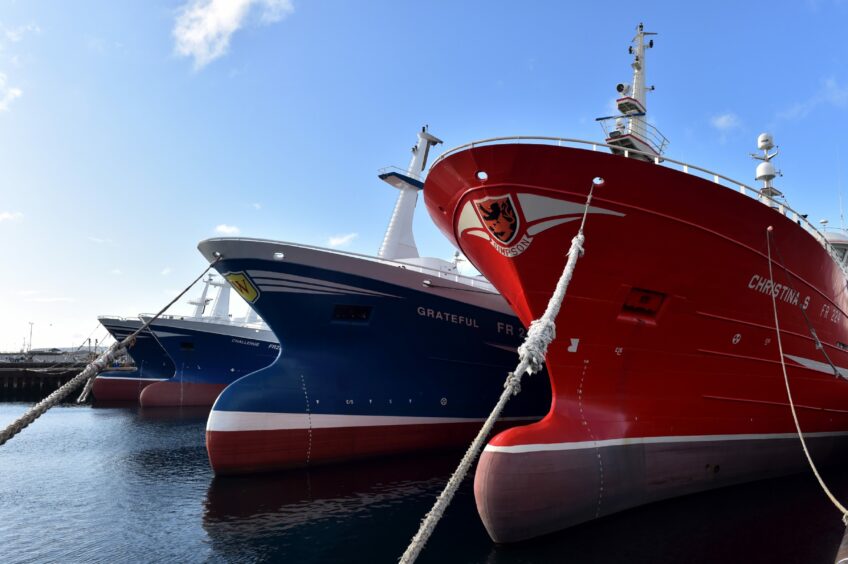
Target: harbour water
pixel 124 484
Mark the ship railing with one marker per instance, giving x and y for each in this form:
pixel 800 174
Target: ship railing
pixel 184 317
pixel 659 140
pixel 237 322
pixel 401 171
pixel 175 317
pixel 651 134
pixel 476 282
pixel 117 317
pixel 719 179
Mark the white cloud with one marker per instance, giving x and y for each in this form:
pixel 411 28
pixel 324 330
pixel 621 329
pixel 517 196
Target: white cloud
pixel 14 35
pixel 257 206
pixel 95 44
pixel 342 240
pixel 166 271
pixel 835 94
pixel 8 94
pixel 27 293
pixel 829 93
pixel 204 27
pixel 725 122
pixel 50 300
pixel 116 271
pixel 99 241
pixel 225 229
pixel 10 216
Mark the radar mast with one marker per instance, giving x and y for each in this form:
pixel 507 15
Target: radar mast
pixel 631 130
pixel 765 170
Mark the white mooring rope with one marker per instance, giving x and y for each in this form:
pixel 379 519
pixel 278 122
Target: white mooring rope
pixel 824 487
pixel 532 357
pixel 97 366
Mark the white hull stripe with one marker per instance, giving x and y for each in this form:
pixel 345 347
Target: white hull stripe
pixel 817 366
pixel 166 334
pixel 325 288
pixel 287 290
pixel 520 449
pixel 129 326
pixel 264 278
pixel 503 347
pixel 101 377
pixel 257 421
pixel 176 328
pixel 137 337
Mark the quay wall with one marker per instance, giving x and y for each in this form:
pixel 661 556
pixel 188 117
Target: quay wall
pixel 34 381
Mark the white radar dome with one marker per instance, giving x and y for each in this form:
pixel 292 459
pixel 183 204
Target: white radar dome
pixel 765 171
pixel 765 142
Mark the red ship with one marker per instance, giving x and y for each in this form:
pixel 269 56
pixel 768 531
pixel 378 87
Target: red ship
pixel 666 372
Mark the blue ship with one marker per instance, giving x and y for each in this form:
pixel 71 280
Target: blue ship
pixel 152 364
pixel 380 355
pixel 209 354
pixel 187 360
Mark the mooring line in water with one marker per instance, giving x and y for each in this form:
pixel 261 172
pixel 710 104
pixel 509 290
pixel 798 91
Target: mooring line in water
pixel 87 375
pixel 532 358
pixel 842 554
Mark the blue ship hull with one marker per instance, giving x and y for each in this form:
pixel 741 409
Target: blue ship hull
pixel 151 364
pixel 377 358
pixel 208 356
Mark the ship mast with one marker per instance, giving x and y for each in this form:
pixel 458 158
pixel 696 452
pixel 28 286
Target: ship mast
pixel 631 130
pixel 398 242
pixel 201 303
pixel 637 123
pixel 221 307
pixel 765 170
pixel 252 316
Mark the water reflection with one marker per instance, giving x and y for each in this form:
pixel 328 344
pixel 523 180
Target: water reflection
pixel 85 485
pixel 354 512
pixel 112 404
pixel 186 414
pixel 786 520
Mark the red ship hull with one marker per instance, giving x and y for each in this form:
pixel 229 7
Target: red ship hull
pixel 178 394
pixel 239 452
pixel 665 371
pixel 117 389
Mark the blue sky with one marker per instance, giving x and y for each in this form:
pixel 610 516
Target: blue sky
pixel 129 131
